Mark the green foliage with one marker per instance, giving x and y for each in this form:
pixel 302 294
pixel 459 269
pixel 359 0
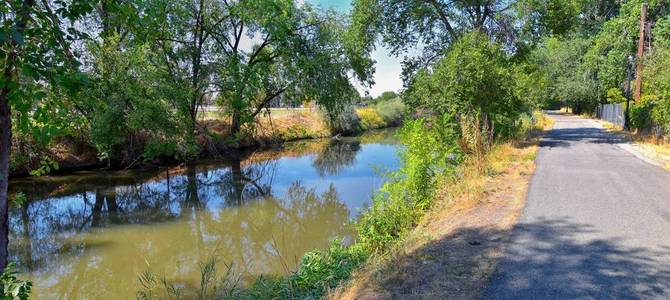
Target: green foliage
pixel 303 54
pixel 13 288
pixel 617 39
pixel 614 95
pixel 657 86
pixel 435 25
pixel 19 199
pixel 323 270
pixel 393 111
pixel 47 164
pixel 386 96
pixel 129 106
pixel 430 153
pixel 548 17
pixel 568 77
pixel 641 113
pixel 473 79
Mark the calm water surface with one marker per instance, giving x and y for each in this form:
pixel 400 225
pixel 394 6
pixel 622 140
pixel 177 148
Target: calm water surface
pixel 88 235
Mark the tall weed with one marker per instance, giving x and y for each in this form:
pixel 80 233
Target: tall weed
pixel 430 153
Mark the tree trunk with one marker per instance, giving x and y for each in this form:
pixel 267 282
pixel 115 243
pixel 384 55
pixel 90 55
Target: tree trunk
pixel 9 74
pixel 235 125
pixel 5 149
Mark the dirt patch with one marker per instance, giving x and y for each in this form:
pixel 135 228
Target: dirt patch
pixel 451 254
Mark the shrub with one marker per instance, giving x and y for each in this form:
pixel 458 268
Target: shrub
pixel 658 85
pixel 323 270
pixel 640 113
pixel 12 287
pixel 429 154
pixel 344 122
pixel 393 111
pixel 370 118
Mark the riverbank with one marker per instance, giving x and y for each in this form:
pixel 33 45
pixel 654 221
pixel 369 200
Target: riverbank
pixel 451 253
pixel 259 215
pixel 416 217
pixel 453 250
pixel 68 154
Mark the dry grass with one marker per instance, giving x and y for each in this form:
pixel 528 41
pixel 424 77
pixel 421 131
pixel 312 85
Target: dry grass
pixel 271 128
pixel 455 247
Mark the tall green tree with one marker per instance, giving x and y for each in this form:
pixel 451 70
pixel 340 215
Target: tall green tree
pixel 425 29
pixel 474 80
pixel 36 62
pixel 249 53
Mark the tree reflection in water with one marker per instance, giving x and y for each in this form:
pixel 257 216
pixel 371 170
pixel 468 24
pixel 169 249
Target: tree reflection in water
pixel 88 236
pixel 336 156
pixel 231 212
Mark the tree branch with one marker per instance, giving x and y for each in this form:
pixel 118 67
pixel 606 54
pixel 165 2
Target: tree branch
pixel 443 16
pixel 267 99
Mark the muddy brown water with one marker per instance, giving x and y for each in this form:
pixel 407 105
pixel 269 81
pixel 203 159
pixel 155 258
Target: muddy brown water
pixel 88 235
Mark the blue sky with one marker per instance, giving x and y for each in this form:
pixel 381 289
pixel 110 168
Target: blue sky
pixel 388 67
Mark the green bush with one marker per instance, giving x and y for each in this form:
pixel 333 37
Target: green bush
pixel 657 86
pixel 12 287
pixel 393 111
pixel 430 153
pixel 640 113
pixel 474 79
pixel 323 270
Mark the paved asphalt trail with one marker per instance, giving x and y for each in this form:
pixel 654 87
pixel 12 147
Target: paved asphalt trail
pixel 596 223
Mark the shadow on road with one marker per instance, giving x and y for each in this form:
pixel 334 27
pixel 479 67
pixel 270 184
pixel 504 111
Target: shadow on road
pixel 557 264
pixel 565 137
pixel 560 266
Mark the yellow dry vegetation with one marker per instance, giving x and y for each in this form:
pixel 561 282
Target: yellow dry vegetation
pixel 370 118
pixel 451 253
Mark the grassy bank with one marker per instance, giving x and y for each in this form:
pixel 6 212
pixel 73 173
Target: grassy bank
pixel 437 190
pixel 212 140
pixel 454 248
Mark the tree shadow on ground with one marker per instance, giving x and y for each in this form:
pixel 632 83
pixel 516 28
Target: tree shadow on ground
pixel 565 137
pixel 553 261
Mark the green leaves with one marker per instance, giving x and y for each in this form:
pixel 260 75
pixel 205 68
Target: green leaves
pixel 47 164
pixel 475 78
pixel 12 287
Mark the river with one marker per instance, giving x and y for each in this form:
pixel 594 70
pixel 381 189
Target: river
pixel 88 235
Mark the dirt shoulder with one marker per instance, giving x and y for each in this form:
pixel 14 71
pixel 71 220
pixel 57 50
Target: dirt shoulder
pixel 451 254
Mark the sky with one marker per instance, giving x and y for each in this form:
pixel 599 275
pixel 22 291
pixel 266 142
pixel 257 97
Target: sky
pixel 387 68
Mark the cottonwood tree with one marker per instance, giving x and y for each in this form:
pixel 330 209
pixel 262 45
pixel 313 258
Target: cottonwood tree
pixel 425 28
pixel 36 63
pixel 248 53
pixel 474 83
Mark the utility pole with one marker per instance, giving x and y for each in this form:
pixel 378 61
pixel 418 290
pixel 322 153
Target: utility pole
pixel 629 71
pixel 640 53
